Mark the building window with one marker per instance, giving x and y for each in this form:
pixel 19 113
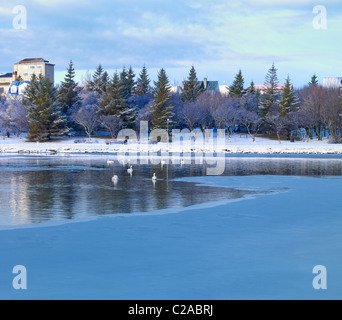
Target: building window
pixel 32 67
pixel 39 67
pixel 25 74
pixel 14 89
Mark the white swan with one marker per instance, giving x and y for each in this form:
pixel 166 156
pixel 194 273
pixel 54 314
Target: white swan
pixel 115 178
pixel 130 170
pixel 154 178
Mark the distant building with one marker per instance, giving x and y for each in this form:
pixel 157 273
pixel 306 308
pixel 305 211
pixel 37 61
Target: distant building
pixel 17 88
pixel 332 82
pixel 13 83
pixel 211 86
pixel 38 66
pixel 262 88
pixel 175 89
pixel 224 90
pixel 5 82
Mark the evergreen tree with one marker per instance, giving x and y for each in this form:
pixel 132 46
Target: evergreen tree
pixel 191 87
pixel 162 109
pixel 127 83
pixel 143 83
pixel 130 81
pixel 251 88
pixel 289 102
pixel 98 80
pixel 269 99
pixel 104 81
pixel 43 110
pixel 236 89
pixel 113 102
pixel 314 81
pixel 67 94
pixel 124 83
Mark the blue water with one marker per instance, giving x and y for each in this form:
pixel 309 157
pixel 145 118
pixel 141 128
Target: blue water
pixel 35 189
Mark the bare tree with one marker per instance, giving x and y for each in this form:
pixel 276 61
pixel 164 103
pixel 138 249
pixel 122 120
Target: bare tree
pixel 226 116
pixel 112 123
pixel 5 118
pixel 251 121
pixel 331 113
pixel 207 103
pixel 278 123
pixel 87 117
pixel 89 97
pixel 191 114
pixel 144 114
pixel 19 120
pixel 313 100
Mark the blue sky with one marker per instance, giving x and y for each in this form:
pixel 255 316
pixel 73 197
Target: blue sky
pixel 218 37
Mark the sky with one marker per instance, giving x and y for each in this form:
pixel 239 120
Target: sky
pixel 217 37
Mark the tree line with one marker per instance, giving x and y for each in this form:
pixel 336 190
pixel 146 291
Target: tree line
pixel 122 100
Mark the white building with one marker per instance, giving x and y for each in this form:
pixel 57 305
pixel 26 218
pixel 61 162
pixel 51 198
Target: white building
pixel 224 90
pixel 14 83
pixel 332 82
pixel 262 88
pixel 17 88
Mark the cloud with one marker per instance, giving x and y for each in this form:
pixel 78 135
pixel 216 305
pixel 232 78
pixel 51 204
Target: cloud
pixel 59 2
pixel 221 36
pixel 6 11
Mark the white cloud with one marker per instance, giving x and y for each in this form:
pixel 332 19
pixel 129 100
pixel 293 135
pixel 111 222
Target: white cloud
pixel 59 2
pixel 6 9
pixel 288 2
pixel 221 36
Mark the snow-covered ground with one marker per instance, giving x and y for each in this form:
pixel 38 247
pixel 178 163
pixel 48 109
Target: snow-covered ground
pixel 236 145
pixel 263 247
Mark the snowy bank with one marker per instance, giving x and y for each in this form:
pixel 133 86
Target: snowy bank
pixel 237 145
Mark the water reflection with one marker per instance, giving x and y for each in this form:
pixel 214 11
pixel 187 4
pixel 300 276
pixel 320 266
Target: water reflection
pixel 36 189
pixel 238 166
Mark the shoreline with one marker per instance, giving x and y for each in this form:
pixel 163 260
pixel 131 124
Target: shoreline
pixel 235 146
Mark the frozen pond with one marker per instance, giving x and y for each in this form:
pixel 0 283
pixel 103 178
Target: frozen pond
pixel 35 189
pixel 256 231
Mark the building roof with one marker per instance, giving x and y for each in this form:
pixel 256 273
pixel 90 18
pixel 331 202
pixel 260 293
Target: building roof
pixel 6 75
pixel 33 60
pixel 211 85
pixel 28 60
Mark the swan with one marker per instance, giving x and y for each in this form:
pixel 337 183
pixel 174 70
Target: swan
pixel 130 170
pixel 115 178
pixel 154 178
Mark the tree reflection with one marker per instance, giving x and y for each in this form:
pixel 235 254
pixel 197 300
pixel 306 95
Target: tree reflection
pixel 69 187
